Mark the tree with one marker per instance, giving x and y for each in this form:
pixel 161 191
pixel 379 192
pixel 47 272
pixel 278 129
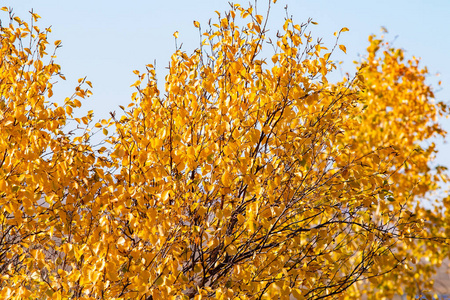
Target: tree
pixel 401 107
pixel 252 176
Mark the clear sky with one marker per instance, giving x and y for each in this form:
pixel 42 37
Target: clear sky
pixel 107 40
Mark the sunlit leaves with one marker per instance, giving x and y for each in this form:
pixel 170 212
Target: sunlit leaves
pixel 400 105
pixel 248 177
pixel 40 164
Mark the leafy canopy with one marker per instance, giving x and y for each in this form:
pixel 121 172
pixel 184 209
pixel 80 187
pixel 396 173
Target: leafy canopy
pixel 250 176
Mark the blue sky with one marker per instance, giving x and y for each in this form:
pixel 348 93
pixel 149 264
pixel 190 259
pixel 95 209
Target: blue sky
pixel 107 40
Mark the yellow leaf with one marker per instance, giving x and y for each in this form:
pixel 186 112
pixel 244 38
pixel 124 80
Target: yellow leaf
pixel 274 59
pixel 196 24
pixel 137 83
pixel 175 34
pixel 342 47
pixel 231 250
pixel 165 195
pixel 76 103
pixel 259 19
pixel 226 179
pixel 35 16
pixel 224 23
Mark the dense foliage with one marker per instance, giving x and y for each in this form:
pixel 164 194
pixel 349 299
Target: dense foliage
pixel 249 177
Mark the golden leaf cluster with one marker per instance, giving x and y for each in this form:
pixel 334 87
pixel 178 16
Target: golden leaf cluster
pixel 247 177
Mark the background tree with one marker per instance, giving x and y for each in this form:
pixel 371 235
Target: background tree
pixel 252 176
pixel 400 113
pixel 44 167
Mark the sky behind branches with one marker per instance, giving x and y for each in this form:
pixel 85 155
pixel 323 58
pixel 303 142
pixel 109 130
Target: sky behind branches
pixel 107 40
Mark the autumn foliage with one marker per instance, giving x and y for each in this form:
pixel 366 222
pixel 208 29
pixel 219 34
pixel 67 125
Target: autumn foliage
pixel 249 177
